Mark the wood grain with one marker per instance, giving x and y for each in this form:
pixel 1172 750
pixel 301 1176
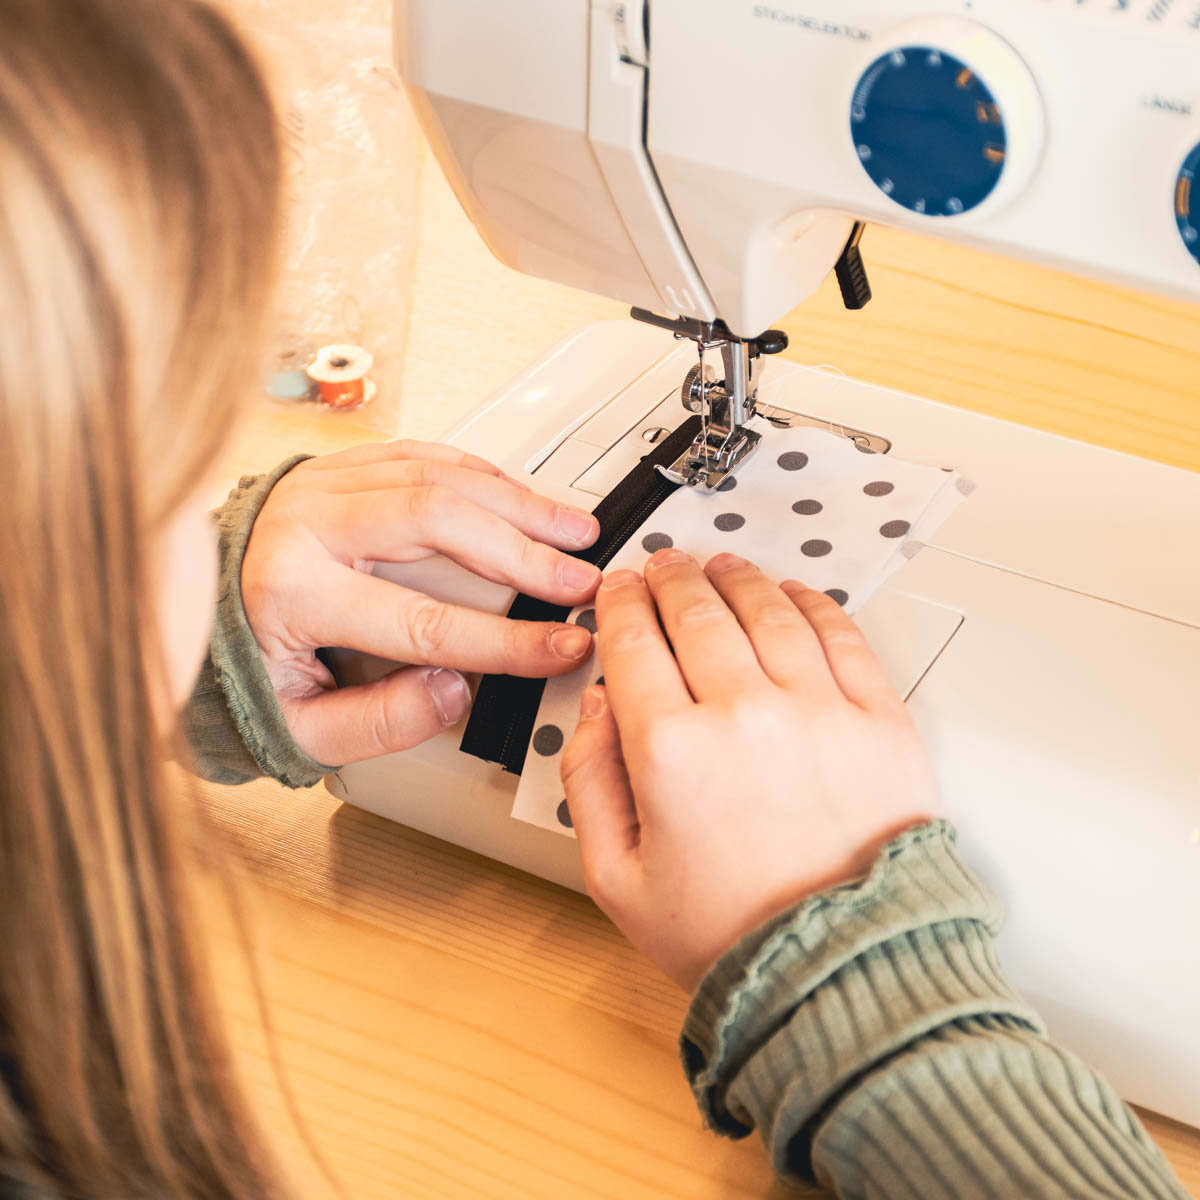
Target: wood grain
pixel 1087 360
pixel 451 1027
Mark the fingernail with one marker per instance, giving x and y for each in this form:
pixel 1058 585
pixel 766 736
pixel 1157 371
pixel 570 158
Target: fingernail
pixel 575 525
pixel 665 558
pixel 577 574
pixel 725 562
pixel 620 579
pixel 591 704
pixel 451 695
pixel 570 643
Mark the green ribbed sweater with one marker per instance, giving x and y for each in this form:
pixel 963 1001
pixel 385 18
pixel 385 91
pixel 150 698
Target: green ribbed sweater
pixel 868 1033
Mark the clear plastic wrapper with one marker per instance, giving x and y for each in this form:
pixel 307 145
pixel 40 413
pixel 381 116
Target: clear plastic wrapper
pixel 352 152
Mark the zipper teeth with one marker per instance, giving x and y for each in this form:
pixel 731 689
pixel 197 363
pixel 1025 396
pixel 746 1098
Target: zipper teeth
pixel 506 745
pixel 629 526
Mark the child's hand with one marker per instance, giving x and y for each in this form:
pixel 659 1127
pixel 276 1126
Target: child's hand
pixel 306 583
pixel 764 759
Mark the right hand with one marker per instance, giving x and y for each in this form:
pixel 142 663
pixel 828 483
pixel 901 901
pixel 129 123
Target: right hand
pixel 759 757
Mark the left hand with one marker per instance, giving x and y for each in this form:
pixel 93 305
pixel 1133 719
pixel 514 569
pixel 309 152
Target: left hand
pixel 307 583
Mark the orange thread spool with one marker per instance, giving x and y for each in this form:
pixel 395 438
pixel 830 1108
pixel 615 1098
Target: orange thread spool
pixel 340 373
pixel 342 395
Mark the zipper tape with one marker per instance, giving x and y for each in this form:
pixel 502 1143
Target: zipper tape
pixel 505 708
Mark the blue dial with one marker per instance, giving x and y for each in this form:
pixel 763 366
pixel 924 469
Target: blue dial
pixel 928 131
pixel 1187 207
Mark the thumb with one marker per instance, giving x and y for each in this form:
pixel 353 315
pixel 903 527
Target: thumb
pixel 600 798
pixel 397 712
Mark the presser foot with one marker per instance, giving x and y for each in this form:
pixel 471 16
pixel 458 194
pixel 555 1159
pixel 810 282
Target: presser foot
pixel 707 466
pixel 708 461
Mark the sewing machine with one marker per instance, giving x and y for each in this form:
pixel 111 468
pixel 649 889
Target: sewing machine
pixel 709 163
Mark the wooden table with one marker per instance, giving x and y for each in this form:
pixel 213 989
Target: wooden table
pixel 452 1028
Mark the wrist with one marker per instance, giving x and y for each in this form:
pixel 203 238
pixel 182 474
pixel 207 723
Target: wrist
pixel 234 722
pixel 859 971
pixel 847 859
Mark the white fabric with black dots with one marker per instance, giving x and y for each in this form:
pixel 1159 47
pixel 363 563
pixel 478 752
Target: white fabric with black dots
pixel 810 506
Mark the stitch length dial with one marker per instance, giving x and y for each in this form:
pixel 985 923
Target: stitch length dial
pixel 1187 204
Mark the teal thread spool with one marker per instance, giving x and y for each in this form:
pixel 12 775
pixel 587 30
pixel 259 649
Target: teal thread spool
pixel 292 386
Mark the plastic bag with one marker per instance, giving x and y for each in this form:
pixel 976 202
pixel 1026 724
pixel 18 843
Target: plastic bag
pixel 352 151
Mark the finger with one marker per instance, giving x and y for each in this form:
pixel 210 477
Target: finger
pixel 537 516
pixel 785 642
pixel 402 710
pixel 857 670
pixel 400 526
pixel 600 799
pixel 405 449
pixel 713 650
pixel 373 616
pixel 642 678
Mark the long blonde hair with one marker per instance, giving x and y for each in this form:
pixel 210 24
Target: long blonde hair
pixel 139 183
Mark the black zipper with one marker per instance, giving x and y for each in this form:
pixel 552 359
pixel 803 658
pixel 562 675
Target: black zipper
pixel 505 709
pixel 659 489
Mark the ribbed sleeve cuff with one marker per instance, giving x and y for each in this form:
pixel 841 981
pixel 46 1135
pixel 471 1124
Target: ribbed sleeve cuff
pixel 233 721
pixel 800 1009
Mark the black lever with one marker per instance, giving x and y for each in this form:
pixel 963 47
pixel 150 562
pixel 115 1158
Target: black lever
pixel 851 272
pixel 774 341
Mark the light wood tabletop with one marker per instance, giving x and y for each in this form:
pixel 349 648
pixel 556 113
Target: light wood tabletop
pixel 449 1027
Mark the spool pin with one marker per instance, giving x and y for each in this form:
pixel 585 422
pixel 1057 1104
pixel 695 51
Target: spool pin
pixel 340 373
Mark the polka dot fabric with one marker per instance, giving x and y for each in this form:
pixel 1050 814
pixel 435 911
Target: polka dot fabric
pixel 809 505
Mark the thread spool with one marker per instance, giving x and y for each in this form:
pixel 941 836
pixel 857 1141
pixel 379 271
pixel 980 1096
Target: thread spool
pixel 290 385
pixel 340 373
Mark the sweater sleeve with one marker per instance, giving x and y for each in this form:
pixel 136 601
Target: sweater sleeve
pixel 869 1035
pixel 233 722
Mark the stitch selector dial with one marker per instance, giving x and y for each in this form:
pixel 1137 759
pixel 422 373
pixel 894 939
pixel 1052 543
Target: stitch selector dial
pixel 947 120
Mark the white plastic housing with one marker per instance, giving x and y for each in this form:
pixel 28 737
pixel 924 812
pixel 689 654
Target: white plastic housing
pixel 709 171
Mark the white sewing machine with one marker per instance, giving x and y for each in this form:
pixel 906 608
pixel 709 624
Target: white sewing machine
pixel 709 161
